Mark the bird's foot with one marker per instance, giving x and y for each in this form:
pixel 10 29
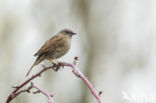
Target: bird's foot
pixel 56 66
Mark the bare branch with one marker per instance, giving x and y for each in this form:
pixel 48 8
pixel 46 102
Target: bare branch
pixel 55 67
pixel 14 93
pixel 49 96
pixel 79 74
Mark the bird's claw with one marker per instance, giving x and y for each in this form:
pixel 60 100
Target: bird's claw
pixel 57 66
pixel 61 65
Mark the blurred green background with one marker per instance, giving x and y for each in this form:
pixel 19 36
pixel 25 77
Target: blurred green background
pixel 116 46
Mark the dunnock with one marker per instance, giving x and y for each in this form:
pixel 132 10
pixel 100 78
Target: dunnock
pixel 54 48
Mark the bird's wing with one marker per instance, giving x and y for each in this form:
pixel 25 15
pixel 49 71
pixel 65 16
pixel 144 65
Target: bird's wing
pixel 49 45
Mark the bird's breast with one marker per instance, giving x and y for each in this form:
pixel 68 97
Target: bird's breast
pixel 62 47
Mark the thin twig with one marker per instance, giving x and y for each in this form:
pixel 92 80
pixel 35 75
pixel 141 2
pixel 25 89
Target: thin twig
pixel 14 93
pixel 79 74
pixel 22 91
pixel 49 96
pixel 39 90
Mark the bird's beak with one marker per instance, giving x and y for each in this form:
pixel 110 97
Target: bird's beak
pixel 74 33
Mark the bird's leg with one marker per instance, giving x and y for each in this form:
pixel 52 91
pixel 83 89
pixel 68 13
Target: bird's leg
pixel 60 64
pixel 55 62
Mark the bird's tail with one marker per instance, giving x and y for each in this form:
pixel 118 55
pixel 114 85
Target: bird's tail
pixel 30 69
pixel 38 60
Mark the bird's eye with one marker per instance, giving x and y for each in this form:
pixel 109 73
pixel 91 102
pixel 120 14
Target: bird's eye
pixel 67 32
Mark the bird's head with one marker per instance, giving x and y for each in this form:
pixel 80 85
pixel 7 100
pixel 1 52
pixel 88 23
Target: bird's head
pixel 67 32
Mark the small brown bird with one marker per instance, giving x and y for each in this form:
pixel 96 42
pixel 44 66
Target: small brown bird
pixel 54 48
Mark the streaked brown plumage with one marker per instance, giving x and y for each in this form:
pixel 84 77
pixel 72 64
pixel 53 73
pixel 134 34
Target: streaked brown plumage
pixel 54 48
